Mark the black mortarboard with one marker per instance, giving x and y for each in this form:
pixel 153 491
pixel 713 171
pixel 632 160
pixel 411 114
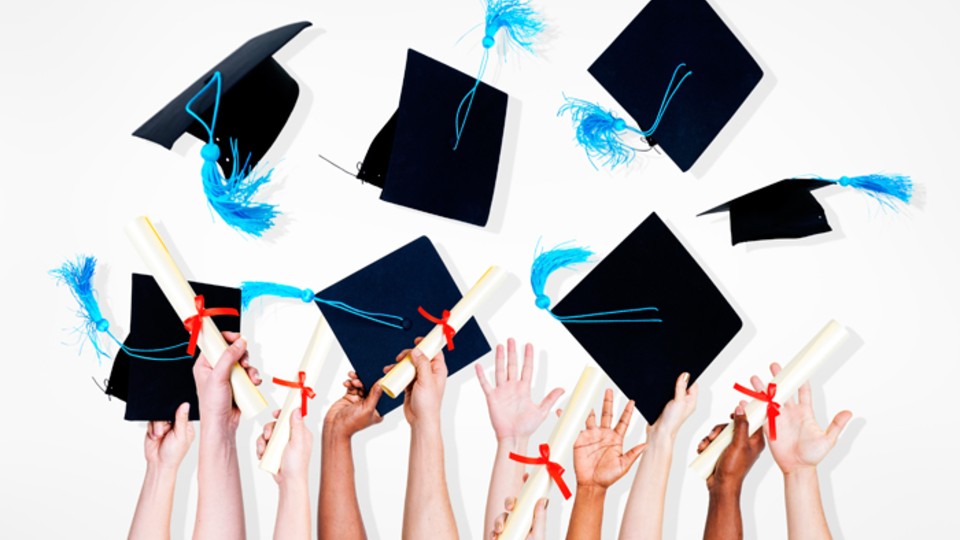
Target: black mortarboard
pixel 412 157
pixel 636 67
pixel 651 268
pixel 411 277
pixel 786 209
pixel 258 96
pixel 153 389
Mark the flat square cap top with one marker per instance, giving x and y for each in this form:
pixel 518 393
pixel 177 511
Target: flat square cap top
pixel 651 268
pixel 636 69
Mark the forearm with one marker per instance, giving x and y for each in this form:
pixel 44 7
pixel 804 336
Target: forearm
pixel 427 512
pixel 151 519
pixel 505 480
pixel 724 521
pixel 805 518
pixel 220 500
pixel 643 515
pixel 338 512
pixel 586 520
pixel 293 511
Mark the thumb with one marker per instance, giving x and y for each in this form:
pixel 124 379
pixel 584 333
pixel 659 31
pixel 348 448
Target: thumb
pixel 835 427
pixel 741 427
pixel 634 453
pixel 539 529
pixel 230 356
pixel 296 426
pixel 420 362
pixel 550 400
pixel 181 421
pixel 373 397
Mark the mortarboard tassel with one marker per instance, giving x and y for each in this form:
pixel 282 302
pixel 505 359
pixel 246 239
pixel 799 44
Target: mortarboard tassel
pixel 881 187
pixel 232 197
pixel 78 276
pixel 598 130
pixel 250 290
pixel 549 261
pixel 521 25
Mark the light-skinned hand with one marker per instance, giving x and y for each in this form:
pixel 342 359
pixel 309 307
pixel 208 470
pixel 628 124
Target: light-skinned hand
pixel 512 412
pixel 677 410
pixel 423 397
pixel 166 444
pixel 213 383
pixel 538 529
pixel 295 462
pixel 800 444
pixel 598 456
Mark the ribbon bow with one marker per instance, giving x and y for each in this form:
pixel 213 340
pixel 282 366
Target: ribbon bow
pixel 193 323
pixel 553 468
pixel 773 408
pixel 448 331
pixel 305 391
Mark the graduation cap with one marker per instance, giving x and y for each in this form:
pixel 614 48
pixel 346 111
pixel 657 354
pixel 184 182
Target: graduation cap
pixel 152 371
pixel 242 103
pixel 151 375
pixel 375 312
pixel 652 269
pixel 788 208
pixel 683 42
pixel 412 158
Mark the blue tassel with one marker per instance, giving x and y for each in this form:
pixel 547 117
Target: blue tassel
pixel 882 187
pixel 232 198
pixel 598 132
pixel 521 25
pixel 249 290
pixel 78 276
pixel 549 261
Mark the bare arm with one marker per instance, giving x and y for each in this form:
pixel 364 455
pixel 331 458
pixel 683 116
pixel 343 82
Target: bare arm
pixel 643 515
pixel 338 511
pixel 164 447
pixel 293 507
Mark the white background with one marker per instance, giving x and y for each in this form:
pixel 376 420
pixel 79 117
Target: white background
pixel 850 88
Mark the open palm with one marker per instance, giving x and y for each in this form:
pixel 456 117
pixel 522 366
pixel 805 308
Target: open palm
pixel 598 456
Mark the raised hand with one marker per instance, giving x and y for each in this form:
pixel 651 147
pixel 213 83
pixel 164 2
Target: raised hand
pixel 598 456
pixel 213 383
pixel 678 409
pixel 166 444
pixel 355 411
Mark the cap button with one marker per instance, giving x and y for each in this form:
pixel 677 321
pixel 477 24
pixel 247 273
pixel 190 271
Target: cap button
pixel 210 152
pixel 844 181
pixel 406 324
pixel 103 325
pixel 619 124
pixel 543 301
pixel 487 41
pixel 307 295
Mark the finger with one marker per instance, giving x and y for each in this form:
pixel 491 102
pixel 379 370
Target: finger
pixel 806 395
pixel 181 420
pixel 261 446
pixel 775 368
pixel 527 373
pixel 757 384
pixel 370 403
pixel 509 503
pixel 482 378
pixel 231 355
pixel 835 427
pixel 439 364
pixel 634 454
pixel 296 427
pixel 624 422
pixel 511 359
pixel 500 370
pixel 539 529
pixel 386 369
pixel 680 389
pixel 403 354
pixel 268 430
pixel 606 415
pixel 498 523
pixel 549 401
pixel 276 413
pixel 740 427
pixel 352 375
pixel 254 375
pixel 417 340
pixel 559 412
pixel 591 419
pixel 230 336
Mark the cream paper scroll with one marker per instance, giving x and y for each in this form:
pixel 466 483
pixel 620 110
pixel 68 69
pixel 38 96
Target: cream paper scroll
pixel 561 441
pixel 181 296
pixel 311 363
pixel 404 372
pixel 788 381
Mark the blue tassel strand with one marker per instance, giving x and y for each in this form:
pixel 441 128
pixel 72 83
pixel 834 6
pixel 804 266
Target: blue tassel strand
pixel 232 197
pixel 250 290
pixel 521 25
pixel 78 276
pixel 598 130
pixel 882 187
pixel 549 261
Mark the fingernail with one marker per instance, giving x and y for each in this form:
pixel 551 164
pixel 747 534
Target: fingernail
pixel 685 377
pixel 416 354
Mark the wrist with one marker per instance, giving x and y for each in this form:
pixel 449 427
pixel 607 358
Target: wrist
pixel 725 488
pixel 591 491
pixel 162 470
pixel 800 472
pixel 215 424
pixel 513 444
pixel 336 433
pixel 295 486
pixel 426 424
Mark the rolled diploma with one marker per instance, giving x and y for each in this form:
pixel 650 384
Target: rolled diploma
pixel 402 374
pixel 311 363
pixel 181 296
pixel 788 381
pixel 561 441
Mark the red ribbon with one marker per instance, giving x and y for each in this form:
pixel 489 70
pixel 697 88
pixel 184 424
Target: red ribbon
pixel 448 331
pixel 193 323
pixel 773 408
pixel 305 391
pixel 553 469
